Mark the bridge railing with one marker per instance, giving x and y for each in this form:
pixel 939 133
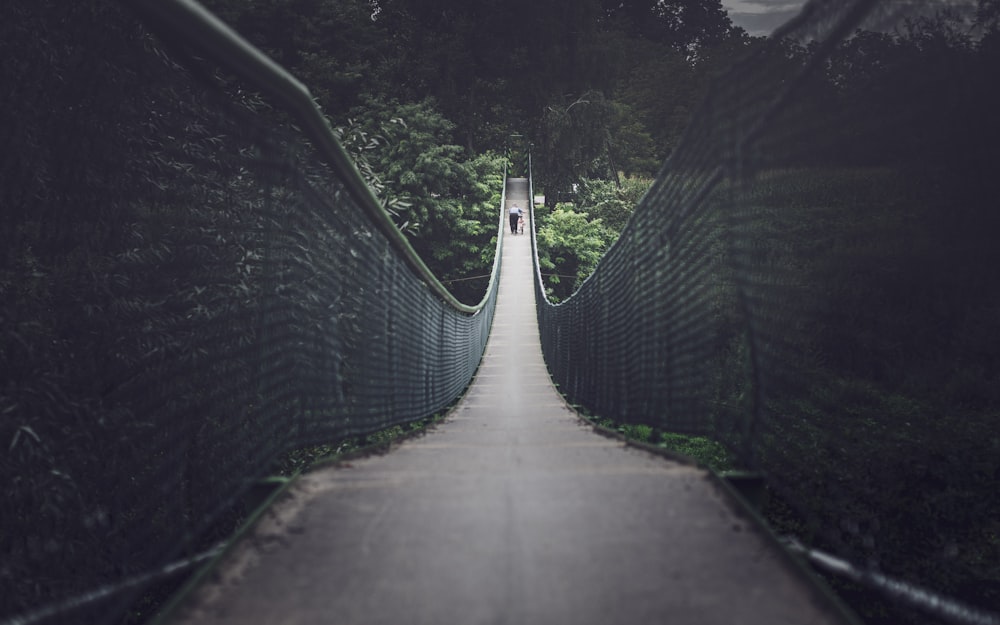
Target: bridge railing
pixel 194 280
pixel 812 281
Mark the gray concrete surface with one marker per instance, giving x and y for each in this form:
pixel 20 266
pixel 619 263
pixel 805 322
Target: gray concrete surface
pixel 509 512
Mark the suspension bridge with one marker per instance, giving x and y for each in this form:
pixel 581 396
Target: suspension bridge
pixel 201 284
pixel 511 511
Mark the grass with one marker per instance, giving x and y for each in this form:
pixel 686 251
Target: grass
pixel 879 424
pixel 703 450
pixel 302 459
pixel 872 298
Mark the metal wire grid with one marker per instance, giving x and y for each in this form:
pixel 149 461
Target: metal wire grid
pixel 727 311
pixel 188 311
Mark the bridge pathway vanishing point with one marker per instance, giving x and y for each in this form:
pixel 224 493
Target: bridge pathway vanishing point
pixel 510 511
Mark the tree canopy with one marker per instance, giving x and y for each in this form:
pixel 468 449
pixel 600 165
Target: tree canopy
pixel 600 89
pixel 427 92
pixel 491 72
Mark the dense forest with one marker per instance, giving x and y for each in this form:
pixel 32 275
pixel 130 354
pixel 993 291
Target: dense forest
pixel 430 96
pixel 873 201
pixel 876 177
pixel 597 90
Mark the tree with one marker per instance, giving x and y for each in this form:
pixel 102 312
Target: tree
pixel 574 144
pixel 570 246
pixel 612 204
pixel 681 24
pixel 332 46
pixel 630 147
pixel 445 201
pixel 591 137
pixel 490 70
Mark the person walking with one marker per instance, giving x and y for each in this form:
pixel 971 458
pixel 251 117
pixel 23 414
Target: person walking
pixel 515 216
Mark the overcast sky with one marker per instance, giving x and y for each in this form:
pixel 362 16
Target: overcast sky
pixel 760 17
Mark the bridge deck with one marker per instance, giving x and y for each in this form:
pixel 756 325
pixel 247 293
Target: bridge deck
pixel 510 511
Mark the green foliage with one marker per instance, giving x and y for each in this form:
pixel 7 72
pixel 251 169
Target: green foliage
pixel 590 137
pixel 706 451
pixel 637 432
pixel 569 247
pixel 598 90
pixel 632 150
pixel 446 202
pixel 680 24
pixel 884 380
pixel 703 450
pixel 574 143
pixel 636 62
pixel 332 46
pixel 102 281
pixel 359 143
pixel 612 203
pixel 304 458
pixel 573 237
pixel 662 89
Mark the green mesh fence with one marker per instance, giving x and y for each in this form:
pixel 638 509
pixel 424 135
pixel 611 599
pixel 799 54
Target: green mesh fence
pixel 188 290
pixel 811 280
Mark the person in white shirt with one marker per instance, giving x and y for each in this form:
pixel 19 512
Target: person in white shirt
pixel 515 216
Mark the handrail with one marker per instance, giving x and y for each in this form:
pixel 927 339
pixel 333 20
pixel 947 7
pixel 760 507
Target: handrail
pixel 197 27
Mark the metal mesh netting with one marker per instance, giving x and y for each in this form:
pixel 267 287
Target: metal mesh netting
pixel 187 291
pixel 812 281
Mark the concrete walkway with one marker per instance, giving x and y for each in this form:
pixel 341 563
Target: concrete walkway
pixel 510 512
